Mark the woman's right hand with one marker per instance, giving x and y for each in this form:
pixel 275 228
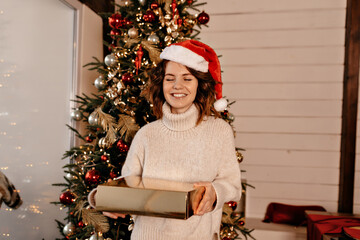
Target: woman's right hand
pixel 114 215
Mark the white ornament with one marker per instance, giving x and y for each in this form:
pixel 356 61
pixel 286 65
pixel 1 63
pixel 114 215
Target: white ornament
pixel 142 2
pixel 133 32
pixel 220 105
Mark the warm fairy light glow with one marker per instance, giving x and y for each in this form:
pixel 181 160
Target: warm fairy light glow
pixel 3 133
pixel 35 209
pixel 4 168
pixel 18 148
pixel 13 123
pixel 29 165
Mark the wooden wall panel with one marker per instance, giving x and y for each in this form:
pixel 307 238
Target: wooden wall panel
pixel 235 6
pixel 279 74
pixel 283 64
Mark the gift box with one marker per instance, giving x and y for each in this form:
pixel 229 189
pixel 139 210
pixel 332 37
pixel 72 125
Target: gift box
pixel 148 197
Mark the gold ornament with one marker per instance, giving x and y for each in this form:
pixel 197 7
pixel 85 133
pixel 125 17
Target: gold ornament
pixel 239 157
pixel 103 143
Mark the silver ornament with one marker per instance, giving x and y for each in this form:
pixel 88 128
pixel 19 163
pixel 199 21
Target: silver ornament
pixel 93 118
pixel 69 229
pixel 70 177
pixel 133 32
pixel 76 115
pixel 100 83
pixel 154 38
pixel 96 237
pixel 142 2
pixel 110 60
pixel 231 117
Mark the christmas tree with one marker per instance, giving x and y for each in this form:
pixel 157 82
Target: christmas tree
pixel 140 29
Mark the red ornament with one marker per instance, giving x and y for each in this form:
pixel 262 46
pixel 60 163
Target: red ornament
pixel 89 139
pixel 122 146
pixel 154 5
pixel 81 224
pixel 179 22
pixel 203 18
pixel 189 2
pixel 115 172
pixel 127 78
pixel 114 32
pixel 232 204
pixel 111 47
pixel 149 16
pixel 128 22
pixel 92 177
pixel 116 21
pixel 104 158
pixel 241 223
pixel 67 198
pixel 139 55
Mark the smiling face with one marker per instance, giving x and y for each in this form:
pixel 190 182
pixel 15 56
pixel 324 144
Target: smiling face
pixel 179 87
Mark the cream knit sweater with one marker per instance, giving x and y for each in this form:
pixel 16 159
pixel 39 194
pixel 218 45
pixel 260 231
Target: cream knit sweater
pixel 174 148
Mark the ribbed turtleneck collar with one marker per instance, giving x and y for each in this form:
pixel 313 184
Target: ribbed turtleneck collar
pixel 180 122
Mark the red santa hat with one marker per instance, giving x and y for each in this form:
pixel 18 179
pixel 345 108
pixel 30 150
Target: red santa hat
pixel 201 57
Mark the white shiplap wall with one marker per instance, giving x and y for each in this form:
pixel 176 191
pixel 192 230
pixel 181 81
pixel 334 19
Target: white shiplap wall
pixel 283 64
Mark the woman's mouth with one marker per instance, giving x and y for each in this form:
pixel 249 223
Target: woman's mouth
pixel 178 95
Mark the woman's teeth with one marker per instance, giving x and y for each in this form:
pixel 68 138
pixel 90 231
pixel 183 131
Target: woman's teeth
pixel 179 95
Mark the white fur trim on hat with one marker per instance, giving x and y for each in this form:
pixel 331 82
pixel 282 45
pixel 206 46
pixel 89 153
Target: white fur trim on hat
pixel 186 57
pixel 220 104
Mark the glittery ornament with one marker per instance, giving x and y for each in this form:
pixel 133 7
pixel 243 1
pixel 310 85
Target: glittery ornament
pixel 69 229
pixel 76 115
pixel 67 198
pixel 100 83
pixel 139 55
pixel 116 21
pixel 110 60
pixel 93 119
pixel 203 18
pixel 122 146
pixel 92 177
pixel 153 38
pixel 149 16
pixel 133 32
pixel 127 78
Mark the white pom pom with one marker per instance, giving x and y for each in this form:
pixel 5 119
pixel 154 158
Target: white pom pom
pixel 220 105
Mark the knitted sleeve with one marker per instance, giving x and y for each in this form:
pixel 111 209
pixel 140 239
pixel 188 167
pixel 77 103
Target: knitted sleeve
pixel 8 193
pixel 134 160
pixel 227 183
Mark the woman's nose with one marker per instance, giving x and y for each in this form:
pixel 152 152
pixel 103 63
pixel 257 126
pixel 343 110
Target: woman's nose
pixel 177 84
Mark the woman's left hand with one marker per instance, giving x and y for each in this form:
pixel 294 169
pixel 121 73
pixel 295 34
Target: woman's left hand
pixel 207 202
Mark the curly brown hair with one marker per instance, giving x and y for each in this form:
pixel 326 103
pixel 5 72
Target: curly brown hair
pixel 205 96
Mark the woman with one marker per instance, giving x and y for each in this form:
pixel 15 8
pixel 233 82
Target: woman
pixel 188 142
